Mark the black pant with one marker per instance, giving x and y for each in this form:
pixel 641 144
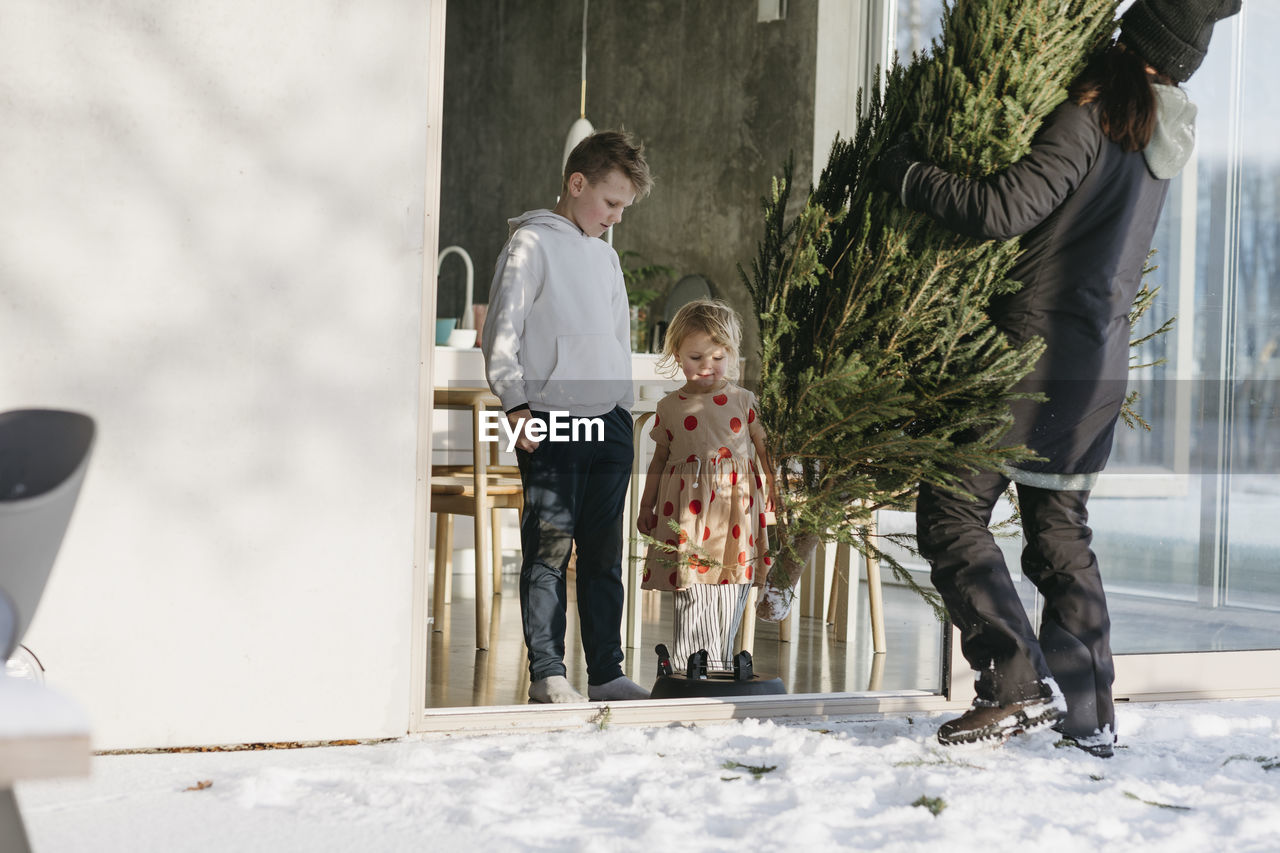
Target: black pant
pixel 574 492
pixel 1073 646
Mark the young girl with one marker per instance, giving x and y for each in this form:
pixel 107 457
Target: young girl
pixel 703 495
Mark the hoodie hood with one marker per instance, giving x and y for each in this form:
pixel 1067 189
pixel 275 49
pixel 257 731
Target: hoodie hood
pixel 1175 135
pixel 543 219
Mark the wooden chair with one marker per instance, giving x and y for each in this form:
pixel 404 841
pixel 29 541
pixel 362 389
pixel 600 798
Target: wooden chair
pixel 830 593
pixel 478 490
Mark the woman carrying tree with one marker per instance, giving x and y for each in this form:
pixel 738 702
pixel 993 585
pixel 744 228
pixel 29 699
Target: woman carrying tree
pixel 1085 202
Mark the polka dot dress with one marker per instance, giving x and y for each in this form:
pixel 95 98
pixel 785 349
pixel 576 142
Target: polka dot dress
pixel 711 499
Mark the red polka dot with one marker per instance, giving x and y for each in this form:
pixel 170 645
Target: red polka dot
pixel 735 424
pixel 702 567
pixel 672 542
pixel 706 533
pixel 742 558
pixel 657 419
pixel 737 531
pixel 751 499
pixel 673 470
pixel 668 508
pixel 672 579
pixel 684 536
pixel 670 437
pixel 725 453
pixel 768 562
pixel 733 477
pixel 751 541
pixel 759 485
pixel 691 423
pixel 749 573
pixel 693 457
pixel 695 506
pixel 762 519
pixel 682 397
pixel 645 577
pixel 751 416
pixel 723 581
pixel 682 484
pixel 720 399
pixel 713 497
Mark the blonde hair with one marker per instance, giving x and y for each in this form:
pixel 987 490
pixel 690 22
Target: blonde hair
pixel 712 317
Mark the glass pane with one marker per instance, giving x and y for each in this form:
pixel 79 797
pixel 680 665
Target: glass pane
pixel 919 22
pixel 1252 576
pixel 1183 517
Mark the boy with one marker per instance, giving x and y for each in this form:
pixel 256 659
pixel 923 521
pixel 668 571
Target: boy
pixel 557 339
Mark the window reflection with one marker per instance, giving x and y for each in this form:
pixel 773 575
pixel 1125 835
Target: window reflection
pixel 1183 520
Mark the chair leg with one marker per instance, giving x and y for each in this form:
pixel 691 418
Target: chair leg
pixel 496 536
pixel 789 628
pixel 747 627
pixel 833 597
pixel 13 835
pixel 484 578
pixel 443 579
pixel 876 606
pixel 846 602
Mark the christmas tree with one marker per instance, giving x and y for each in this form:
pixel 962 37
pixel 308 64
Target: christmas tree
pixel 880 366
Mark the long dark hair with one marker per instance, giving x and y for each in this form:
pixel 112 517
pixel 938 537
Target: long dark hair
pixel 1118 80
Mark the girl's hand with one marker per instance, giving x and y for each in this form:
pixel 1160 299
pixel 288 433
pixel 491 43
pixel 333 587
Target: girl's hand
pixel 647 519
pixel 773 501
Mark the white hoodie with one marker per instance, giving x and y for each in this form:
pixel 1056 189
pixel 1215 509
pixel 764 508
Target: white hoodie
pixel 557 334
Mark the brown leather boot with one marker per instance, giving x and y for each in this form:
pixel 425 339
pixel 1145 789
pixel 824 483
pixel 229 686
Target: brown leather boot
pixel 987 721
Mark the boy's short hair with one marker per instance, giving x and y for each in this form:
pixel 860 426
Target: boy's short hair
pixel 600 153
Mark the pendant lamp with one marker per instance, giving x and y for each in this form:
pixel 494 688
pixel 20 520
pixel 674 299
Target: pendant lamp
pixel 581 128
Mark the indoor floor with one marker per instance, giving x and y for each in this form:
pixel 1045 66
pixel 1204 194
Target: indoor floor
pixel 459 675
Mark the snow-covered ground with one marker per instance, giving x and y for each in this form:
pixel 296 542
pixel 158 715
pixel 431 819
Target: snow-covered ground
pixel 1190 777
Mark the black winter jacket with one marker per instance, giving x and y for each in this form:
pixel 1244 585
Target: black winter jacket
pixel 1086 211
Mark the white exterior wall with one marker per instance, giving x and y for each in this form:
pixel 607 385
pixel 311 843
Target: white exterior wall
pixel 211 242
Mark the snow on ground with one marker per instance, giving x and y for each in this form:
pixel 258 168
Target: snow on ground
pixel 1190 777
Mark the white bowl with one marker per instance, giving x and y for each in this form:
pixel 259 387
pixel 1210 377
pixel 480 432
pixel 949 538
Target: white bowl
pixel 462 338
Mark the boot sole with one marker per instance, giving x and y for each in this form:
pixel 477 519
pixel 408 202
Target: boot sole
pixel 1023 720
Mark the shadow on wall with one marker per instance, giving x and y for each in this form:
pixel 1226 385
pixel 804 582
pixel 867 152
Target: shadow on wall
pixel 219 256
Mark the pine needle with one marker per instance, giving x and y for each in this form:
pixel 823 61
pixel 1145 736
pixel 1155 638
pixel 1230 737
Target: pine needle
pixel 1134 796
pixel 935 805
pixel 756 770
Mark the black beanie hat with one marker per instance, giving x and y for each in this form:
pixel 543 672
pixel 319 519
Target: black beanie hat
pixel 1173 35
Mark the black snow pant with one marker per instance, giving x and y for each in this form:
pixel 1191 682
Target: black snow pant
pixel 997 639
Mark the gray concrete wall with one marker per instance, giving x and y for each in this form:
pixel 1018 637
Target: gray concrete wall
pixel 718 99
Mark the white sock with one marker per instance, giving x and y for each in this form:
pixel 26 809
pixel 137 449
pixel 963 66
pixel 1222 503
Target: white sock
pixel 618 690
pixel 554 689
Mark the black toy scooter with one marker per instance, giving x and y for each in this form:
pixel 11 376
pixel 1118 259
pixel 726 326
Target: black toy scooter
pixel 697 680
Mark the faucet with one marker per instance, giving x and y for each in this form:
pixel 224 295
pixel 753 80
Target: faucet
pixel 465 321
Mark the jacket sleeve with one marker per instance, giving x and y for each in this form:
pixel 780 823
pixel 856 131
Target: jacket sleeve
pixel 516 281
pixel 1017 199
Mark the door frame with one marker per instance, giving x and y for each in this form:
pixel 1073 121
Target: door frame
pixel 1139 677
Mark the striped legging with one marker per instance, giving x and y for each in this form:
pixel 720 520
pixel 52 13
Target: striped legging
pixel 707 617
